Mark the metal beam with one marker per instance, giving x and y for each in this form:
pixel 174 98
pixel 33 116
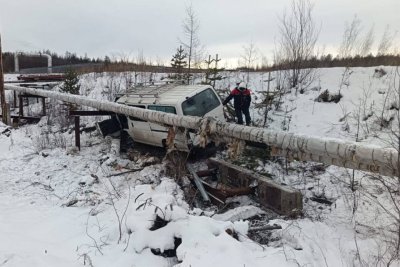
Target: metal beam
pixel 318 149
pixel 77 133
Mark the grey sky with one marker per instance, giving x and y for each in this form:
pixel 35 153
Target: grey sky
pixel 100 27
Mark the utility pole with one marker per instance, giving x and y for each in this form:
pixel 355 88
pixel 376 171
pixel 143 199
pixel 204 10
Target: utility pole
pixel 4 106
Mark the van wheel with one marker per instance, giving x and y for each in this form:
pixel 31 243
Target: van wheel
pixel 164 143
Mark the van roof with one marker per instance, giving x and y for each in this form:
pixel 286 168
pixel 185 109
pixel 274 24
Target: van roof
pixel 168 94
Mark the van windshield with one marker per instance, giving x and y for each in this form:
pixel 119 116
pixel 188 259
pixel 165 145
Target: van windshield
pixel 200 104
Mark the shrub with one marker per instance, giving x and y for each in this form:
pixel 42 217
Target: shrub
pixel 327 97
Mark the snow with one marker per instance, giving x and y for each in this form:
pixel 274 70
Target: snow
pixel 66 209
pixel 239 213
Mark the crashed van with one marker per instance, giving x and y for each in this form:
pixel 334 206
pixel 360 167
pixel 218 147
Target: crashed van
pixel 183 100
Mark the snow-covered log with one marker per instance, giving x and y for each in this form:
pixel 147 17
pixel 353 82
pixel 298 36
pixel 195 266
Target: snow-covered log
pixel 329 151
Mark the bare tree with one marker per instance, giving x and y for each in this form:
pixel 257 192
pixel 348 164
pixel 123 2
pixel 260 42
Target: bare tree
pixel 367 42
pixel 351 35
pixel 280 77
pixel 191 40
pixel 298 37
pixel 248 58
pixel 348 48
pixel 386 42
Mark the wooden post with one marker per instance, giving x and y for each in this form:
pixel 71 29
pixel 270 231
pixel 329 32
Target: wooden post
pixel 77 134
pixel 4 110
pixel 43 106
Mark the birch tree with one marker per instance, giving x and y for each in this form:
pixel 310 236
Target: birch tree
pixel 350 40
pixel 348 49
pixel 191 41
pixel 248 58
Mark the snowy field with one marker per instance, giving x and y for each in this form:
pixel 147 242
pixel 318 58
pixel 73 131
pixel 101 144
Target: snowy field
pixel 60 207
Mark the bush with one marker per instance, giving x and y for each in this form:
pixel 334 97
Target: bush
pixel 379 72
pixel 327 97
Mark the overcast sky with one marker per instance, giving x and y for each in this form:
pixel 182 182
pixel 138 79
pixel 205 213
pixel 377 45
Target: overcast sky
pixel 105 27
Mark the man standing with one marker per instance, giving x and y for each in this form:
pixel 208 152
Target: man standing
pixel 241 102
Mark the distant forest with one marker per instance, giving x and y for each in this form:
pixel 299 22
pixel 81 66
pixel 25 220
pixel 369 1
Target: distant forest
pixel 328 61
pixel 324 61
pixel 40 62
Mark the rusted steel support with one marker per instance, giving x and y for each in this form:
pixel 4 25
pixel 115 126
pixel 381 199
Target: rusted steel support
pixel 44 106
pixel 77 133
pixel 21 105
pixel 15 99
pixel 32 96
pixel 28 118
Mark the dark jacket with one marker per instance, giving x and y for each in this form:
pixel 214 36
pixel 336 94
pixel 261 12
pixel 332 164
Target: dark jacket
pixel 241 99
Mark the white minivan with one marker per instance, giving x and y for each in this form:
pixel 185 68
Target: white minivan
pixel 187 100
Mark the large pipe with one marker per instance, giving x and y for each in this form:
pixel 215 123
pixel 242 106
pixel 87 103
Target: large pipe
pixel 306 148
pixel 49 60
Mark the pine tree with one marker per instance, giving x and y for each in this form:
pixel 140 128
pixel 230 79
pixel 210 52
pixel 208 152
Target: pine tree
pixel 71 83
pixel 178 62
pixel 212 73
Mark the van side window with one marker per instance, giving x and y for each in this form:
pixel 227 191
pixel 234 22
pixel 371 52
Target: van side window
pixel 200 104
pixel 133 118
pixel 167 109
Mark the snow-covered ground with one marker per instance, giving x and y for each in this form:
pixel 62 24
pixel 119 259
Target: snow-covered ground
pixel 60 207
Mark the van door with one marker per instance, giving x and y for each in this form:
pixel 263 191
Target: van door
pixel 204 103
pixel 139 129
pixel 158 131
